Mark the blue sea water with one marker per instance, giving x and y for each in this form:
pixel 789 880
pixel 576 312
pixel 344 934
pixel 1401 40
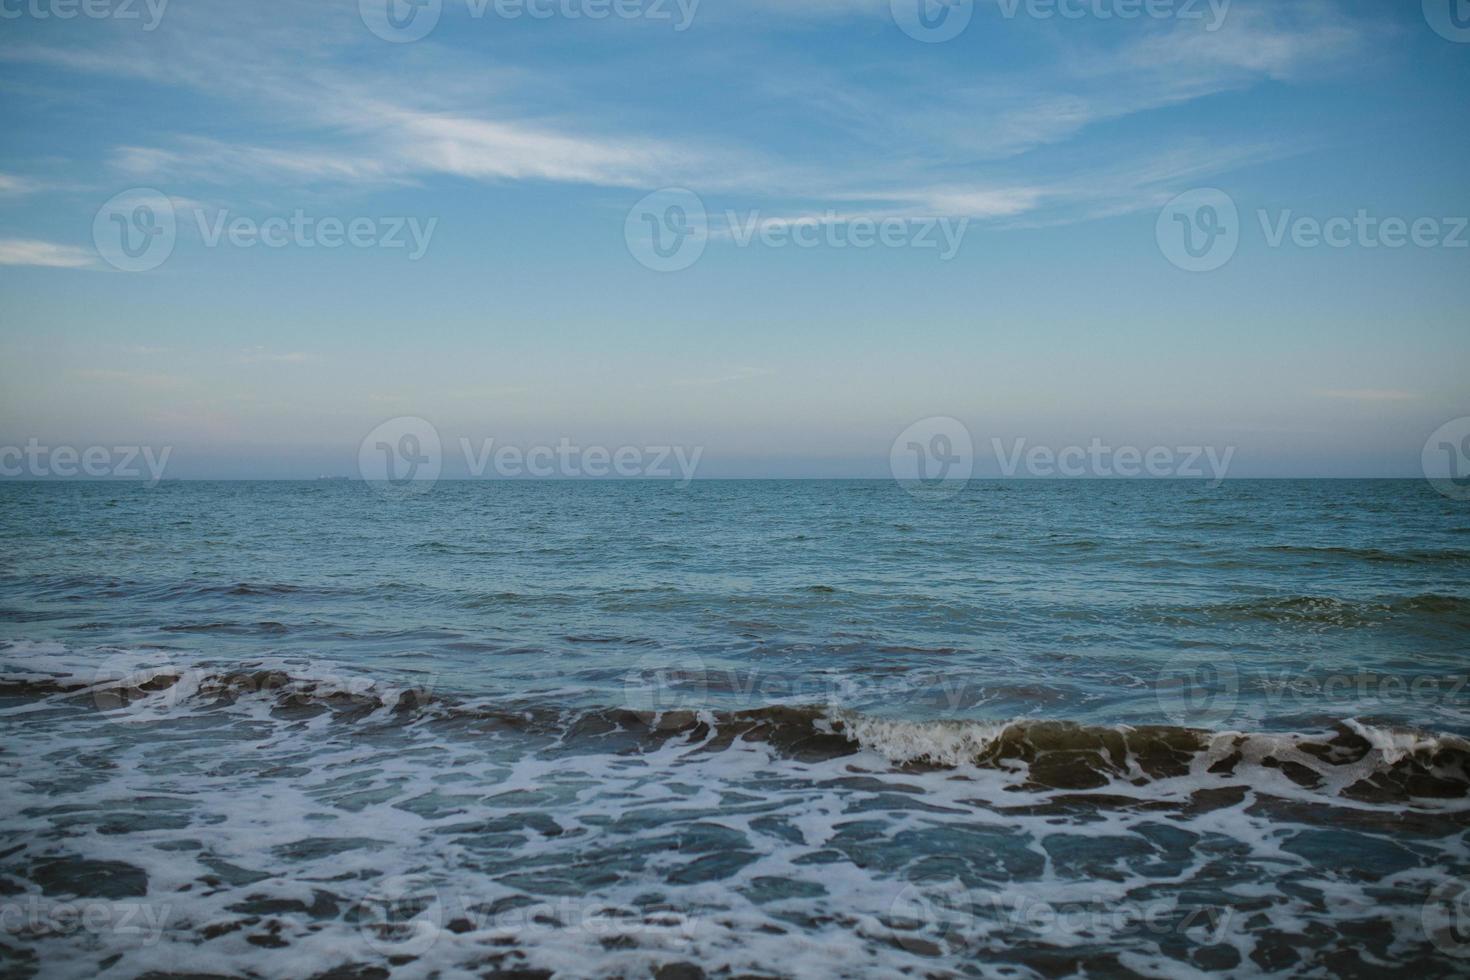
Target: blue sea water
pixel 738 728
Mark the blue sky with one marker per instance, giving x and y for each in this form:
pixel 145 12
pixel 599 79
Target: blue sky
pixel 1052 144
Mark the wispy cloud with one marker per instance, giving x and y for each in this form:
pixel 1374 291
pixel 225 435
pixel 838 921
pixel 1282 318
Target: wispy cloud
pixel 732 376
pixel 983 140
pixel 29 251
pixel 257 355
pixel 1368 394
pixel 214 161
pixel 11 184
pixel 133 379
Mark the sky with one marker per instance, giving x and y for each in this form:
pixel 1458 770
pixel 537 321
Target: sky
pixel 782 233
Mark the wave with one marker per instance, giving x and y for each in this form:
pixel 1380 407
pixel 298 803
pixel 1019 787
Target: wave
pixel 1349 759
pixel 1377 555
pixel 1330 611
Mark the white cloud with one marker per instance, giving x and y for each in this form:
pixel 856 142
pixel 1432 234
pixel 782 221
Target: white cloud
pixel 732 376
pixel 933 142
pixel 11 184
pixel 29 251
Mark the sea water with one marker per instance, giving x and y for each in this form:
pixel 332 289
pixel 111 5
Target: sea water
pixel 752 728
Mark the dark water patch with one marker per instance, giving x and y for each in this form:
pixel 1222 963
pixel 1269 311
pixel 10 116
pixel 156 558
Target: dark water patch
pixel 246 590
pixel 83 878
pixel 1328 553
pixel 10 615
pixel 230 628
pixel 508 600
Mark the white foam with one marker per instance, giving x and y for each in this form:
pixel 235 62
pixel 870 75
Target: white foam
pixel 853 839
pixel 946 743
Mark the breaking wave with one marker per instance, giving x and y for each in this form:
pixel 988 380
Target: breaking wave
pixel 1349 758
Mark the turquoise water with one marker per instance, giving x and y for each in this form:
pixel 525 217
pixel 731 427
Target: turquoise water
pixel 780 728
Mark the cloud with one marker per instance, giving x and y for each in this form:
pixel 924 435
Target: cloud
pixel 1368 394
pixel 256 355
pixel 136 379
pixel 1161 65
pixel 1278 41
pixel 219 162
pixel 11 184
pixel 733 376
pixel 935 143
pixel 397 145
pixel 29 251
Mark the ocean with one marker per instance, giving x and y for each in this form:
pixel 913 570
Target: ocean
pixel 746 728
